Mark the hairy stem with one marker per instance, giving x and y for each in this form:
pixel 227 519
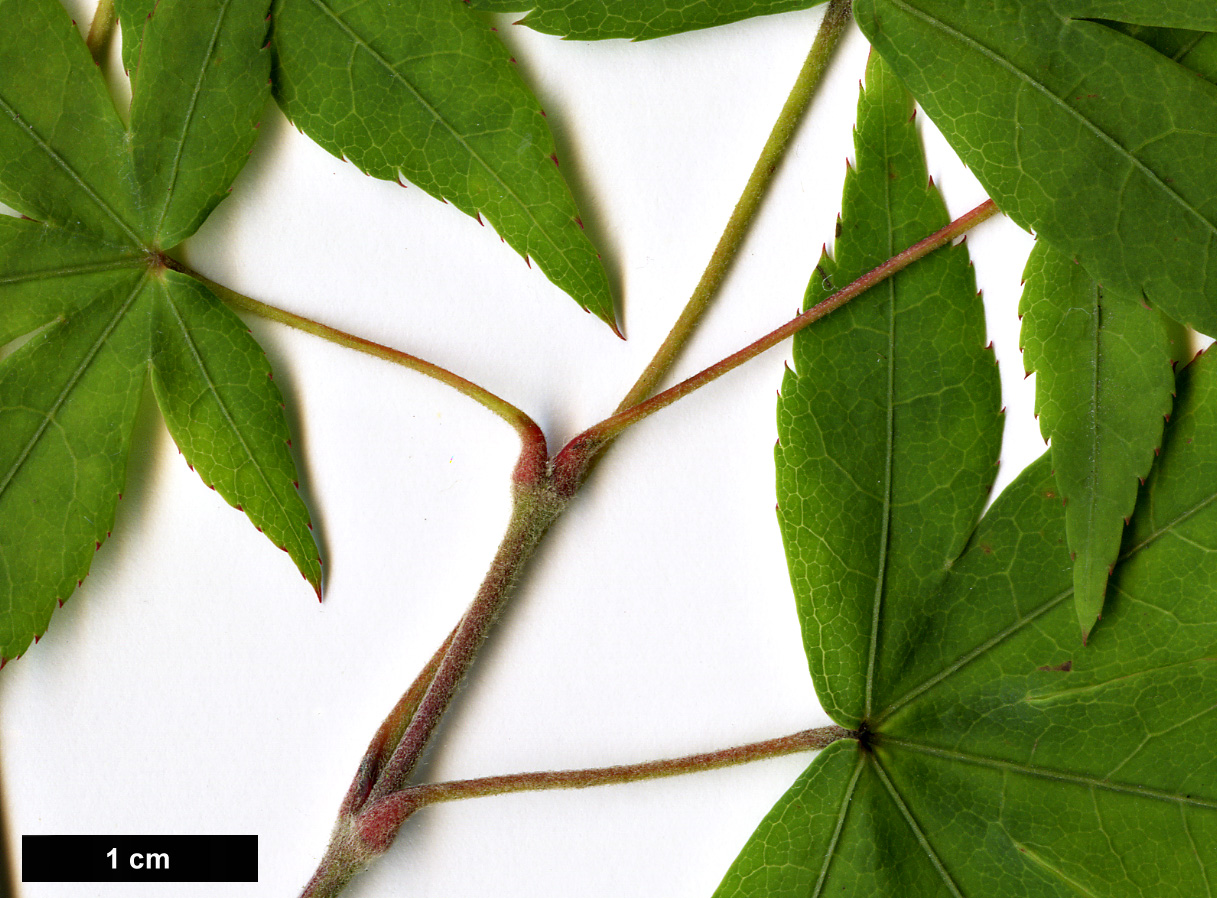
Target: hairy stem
pixel 380 799
pixel 458 790
pixel 100 30
pixel 529 432
pixel 832 27
pixel 370 815
pixel 592 440
pixel 535 509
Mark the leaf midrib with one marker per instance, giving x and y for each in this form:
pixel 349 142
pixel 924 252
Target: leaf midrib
pixel 842 814
pixel 1150 174
pixel 71 270
pixel 1096 446
pixel 955 666
pixel 1048 773
pixel 80 182
pixel 189 119
pixel 915 827
pixel 460 138
pixel 81 368
pixel 889 449
pixel 197 358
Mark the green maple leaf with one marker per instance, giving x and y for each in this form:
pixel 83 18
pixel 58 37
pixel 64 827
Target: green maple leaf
pixel 590 20
pixel 85 270
pixel 993 755
pixel 425 91
pixel 1103 388
pixel 1078 131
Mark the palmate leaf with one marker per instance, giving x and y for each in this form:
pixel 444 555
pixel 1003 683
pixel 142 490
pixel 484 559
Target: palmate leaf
pixel 85 266
pixel 1104 383
pixel 425 91
pixel 1078 131
pixel 996 756
pixel 589 20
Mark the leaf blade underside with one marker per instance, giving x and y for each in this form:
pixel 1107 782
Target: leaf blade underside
pixel 67 406
pixel 87 276
pixel 1079 132
pixel 428 93
pixel 48 272
pixel 203 80
pixel 889 424
pixel 63 153
pixel 214 388
pixel 1104 385
pixel 588 20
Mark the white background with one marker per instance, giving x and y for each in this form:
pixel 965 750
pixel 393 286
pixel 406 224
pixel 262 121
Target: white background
pixel 194 685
